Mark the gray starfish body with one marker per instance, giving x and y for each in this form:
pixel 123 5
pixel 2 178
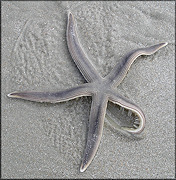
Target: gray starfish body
pixel 101 89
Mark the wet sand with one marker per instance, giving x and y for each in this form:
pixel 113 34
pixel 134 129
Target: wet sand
pixel 41 140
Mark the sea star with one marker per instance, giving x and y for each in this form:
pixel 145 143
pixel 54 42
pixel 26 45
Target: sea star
pixel 102 90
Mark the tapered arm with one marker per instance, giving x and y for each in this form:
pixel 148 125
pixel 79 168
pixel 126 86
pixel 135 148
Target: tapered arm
pixel 125 103
pixel 53 97
pixel 77 53
pixel 96 122
pixel 120 70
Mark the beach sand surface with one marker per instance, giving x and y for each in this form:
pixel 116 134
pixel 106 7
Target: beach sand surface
pixel 42 140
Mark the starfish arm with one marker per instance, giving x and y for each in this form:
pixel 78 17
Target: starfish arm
pixel 96 122
pixel 120 70
pixel 77 53
pixel 125 103
pixel 53 97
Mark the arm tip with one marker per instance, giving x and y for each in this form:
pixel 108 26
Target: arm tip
pixel 69 14
pixel 10 95
pixel 165 44
pixel 15 94
pixel 82 168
